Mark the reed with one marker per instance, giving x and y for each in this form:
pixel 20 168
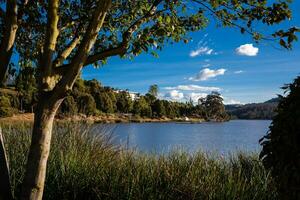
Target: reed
pixel 85 164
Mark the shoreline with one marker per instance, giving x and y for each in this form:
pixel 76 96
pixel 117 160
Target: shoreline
pixel 105 119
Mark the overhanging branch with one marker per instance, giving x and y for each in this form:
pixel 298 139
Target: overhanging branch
pixel 71 71
pixel 119 49
pixel 213 12
pixel 68 50
pixel 105 54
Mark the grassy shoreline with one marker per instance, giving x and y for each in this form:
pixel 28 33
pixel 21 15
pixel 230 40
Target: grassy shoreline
pixel 105 118
pixel 84 164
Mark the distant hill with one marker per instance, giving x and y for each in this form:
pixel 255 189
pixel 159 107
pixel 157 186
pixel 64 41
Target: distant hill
pixel 274 100
pixel 265 110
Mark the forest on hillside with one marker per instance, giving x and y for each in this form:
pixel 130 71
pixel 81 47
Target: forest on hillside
pixel 90 97
pixel 265 110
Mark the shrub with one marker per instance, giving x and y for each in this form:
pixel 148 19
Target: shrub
pixel 86 104
pixel 281 146
pixel 5 107
pixel 68 106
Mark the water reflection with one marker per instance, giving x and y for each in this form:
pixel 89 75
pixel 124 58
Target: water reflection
pixel 209 137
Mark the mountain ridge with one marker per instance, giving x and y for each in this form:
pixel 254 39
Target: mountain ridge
pixel 264 110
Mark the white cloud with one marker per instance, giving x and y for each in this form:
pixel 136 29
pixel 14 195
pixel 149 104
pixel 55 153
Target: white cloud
pixel 209 52
pixel 231 101
pixel 206 65
pixel 247 50
pixel 228 101
pixel 193 88
pixel 239 72
pixel 195 96
pixel 201 51
pixel 178 96
pixel 203 48
pixel 174 95
pixel 207 73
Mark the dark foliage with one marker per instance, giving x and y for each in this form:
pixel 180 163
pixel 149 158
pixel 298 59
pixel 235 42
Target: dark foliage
pixel 264 110
pixel 213 107
pixel 6 109
pixel 68 106
pixel 89 97
pixel 281 146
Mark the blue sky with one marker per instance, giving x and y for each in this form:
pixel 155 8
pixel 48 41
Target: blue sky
pixel 252 74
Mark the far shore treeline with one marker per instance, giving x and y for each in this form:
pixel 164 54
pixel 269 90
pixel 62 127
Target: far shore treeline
pixel 91 98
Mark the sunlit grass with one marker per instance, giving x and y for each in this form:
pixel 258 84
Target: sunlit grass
pixel 86 165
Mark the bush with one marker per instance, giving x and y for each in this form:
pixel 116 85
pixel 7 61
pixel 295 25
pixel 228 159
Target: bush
pixel 7 112
pixel 142 108
pixel 5 107
pixel 68 106
pixel 281 146
pixel 86 104
pixel 104 102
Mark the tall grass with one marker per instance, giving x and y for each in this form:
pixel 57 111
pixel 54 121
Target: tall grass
pixel 85 165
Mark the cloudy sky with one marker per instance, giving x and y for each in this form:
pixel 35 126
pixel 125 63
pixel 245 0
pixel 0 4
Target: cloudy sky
pixel 217 59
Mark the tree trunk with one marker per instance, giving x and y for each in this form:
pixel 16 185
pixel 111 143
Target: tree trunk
pixel 5 187
pixel 3 71
pixel 8 39
pixel 34 180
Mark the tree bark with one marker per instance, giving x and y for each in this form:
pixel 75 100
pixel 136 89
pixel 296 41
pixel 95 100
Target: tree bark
pixel 8 40
pixel 53 93
pixel 33 184
pixel 5 187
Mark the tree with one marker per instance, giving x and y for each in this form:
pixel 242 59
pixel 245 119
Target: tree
pixel 80 33
pixel 124 102
pixel 10 20
pixel 158 108
pixel 93 86
pixel 142 108
pixel 104 102
pixel 69 106
pixel 26 86
pixel 153 90
pixel 6 109
pixel 79 87
pixel 281 149
pixel 86 104
pixel 213 106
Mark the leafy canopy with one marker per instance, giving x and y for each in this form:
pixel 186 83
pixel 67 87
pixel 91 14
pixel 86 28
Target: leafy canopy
pixel 132 27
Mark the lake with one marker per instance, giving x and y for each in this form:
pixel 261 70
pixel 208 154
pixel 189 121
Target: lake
pixel 221 138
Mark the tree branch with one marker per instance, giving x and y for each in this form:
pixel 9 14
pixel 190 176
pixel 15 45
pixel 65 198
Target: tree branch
pixel 9 36
pixel 121 48
pixel 76 64
pixel 250 32
pixel 67 25
pixel 51 37
pixel 10 25
pixel 68 50
pixel 137 23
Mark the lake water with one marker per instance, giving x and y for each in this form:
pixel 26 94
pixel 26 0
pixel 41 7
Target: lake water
pixel 223 138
